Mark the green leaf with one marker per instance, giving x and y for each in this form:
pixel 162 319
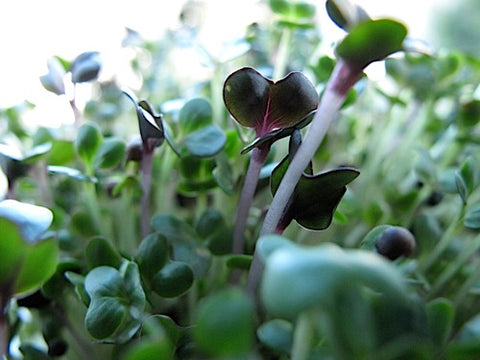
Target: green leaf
pixel 152 255
pixel 469 114
pixel 316 274
pixel 173 279
pixel 100 252
pixel 70 172
pixel 104 281
pixel 264 105
pixel 225 324
pixel 86 67
pixel 205 142
pixel 440 314
pixel 315 197
pixel 371 41
pixel 194 115
pixel 150 349
pixel 368 242
pixel 277 335
pixel 242 262
pixel 32 220
pixel 110 154
pixel 88 141
pixel 472 217
pixel 462 188
pixel 38 265
pixel 133 289
pixel 104 316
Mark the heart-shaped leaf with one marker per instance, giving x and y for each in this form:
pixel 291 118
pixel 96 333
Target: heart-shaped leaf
pixel 53 80
pixel 315 197
pixel 371 41
pixel 264 105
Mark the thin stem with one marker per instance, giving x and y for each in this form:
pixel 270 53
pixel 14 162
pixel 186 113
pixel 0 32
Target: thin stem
pixel 283 52
pixel 259 155
pixel 3 326
pixel 93 207
pixel 453 268
pixel 343 78
pixel 467 286
pixel 302 337
pixel 77 114
pixel 444 242
pixel 146 164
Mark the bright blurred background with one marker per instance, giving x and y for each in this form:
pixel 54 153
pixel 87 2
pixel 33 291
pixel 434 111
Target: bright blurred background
pixel 32 31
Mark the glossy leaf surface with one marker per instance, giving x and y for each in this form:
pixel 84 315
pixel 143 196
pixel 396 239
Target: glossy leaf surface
pixel 264 105
pixel 316 196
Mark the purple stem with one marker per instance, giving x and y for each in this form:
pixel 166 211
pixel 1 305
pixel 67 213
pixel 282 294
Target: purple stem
pixel 146 166
pixel 259 155
pixel 344 76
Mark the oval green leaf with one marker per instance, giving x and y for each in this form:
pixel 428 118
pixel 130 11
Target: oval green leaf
pixel 372 41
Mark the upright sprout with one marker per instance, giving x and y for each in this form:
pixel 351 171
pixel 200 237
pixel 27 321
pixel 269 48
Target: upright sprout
pixel 273 110
pixel 367 41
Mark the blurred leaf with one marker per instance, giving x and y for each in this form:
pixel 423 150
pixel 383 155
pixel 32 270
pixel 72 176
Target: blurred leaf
pixel 100 252
pixel 152 255
pixel 174 279
pixel 345 14
pixel 53 80
pixel 195 115
pixel 87 142
pixel 315 274
pixel 242 262
pixel 469 114
pixel 472 217
pixel 110 154
pixel 32 221
pixel 86 67
pixel 277 335
pixel 440 313
pixel 225 324
pixel 461 187
pixel 205 142
pixel 259 103
pixel 72 173
pixel 371 41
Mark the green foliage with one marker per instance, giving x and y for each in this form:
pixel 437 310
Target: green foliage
pixel 225 324
pixel 358 49
pixel 133 256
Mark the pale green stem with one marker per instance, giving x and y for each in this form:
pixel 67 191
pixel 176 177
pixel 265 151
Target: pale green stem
pixel 302 337
pixel 282 55
pixel 444 242
pixel 454 267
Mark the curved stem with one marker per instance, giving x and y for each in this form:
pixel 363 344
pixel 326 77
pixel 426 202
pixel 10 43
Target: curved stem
pixel 343 78
pixel 259 155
